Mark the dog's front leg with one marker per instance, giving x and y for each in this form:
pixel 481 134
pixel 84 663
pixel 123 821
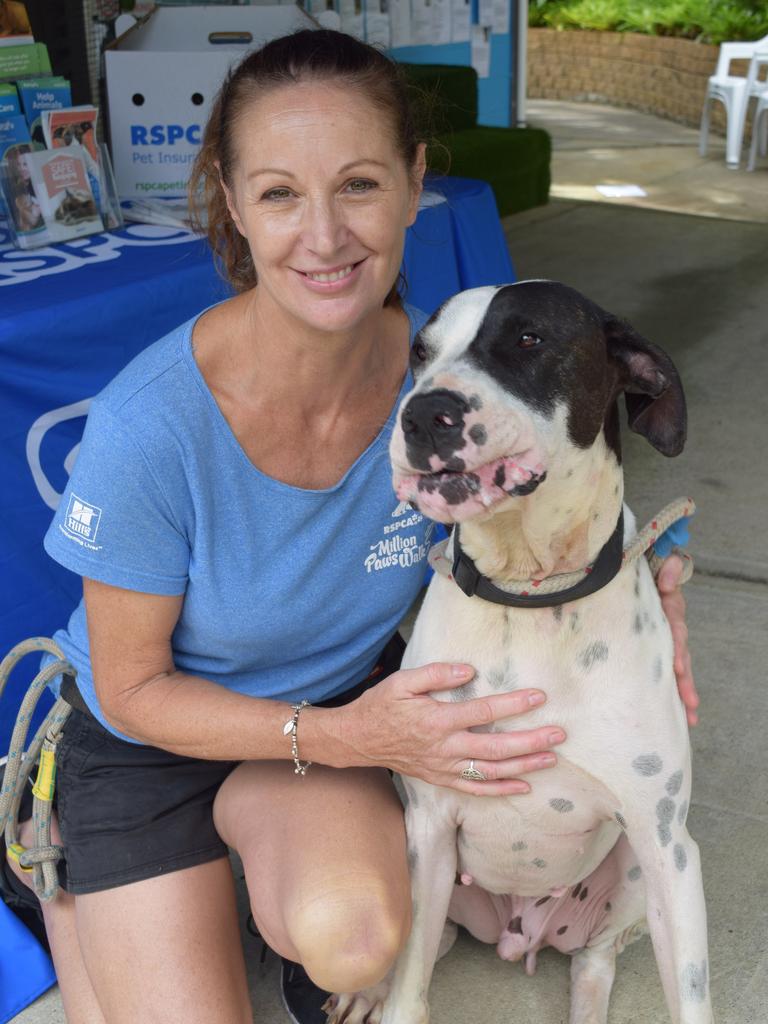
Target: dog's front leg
pixel 677 920
pixel 432 858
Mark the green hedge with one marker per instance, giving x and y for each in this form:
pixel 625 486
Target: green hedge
pixel 710 21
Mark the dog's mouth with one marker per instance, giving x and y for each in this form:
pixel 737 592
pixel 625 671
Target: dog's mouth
pixel 451 496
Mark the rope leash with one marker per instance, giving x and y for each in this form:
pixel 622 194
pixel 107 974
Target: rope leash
pixel 672 513
pixel 41 858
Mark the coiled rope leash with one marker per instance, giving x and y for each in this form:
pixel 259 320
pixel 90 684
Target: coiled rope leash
pixel 41 858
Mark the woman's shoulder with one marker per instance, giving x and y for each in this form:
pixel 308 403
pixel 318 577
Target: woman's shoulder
pixel 159 376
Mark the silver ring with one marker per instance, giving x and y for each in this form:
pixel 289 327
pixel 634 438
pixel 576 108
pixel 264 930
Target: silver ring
pixel 472 774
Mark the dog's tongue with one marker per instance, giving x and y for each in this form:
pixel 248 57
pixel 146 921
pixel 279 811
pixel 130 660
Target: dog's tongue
pixel 454 497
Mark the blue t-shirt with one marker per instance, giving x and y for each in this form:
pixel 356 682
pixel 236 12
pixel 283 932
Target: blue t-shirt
pixel 288 593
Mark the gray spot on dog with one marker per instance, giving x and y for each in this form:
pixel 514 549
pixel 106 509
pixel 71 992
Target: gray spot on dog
pixel 478 434
pixel 621 820
pixel 520 845
pixel 410 794
pixel 557 612
pixel 475 402
pixel 560 805
pixel 502 677
pixel 682 813
pixel 538 862
pixel 681 857
pixel 657 669
pixel 413 857
pixel 665 812
pixel 694 989
pixel 647 764
pixel 634 873
pixel 674 782
pixel 598 651
pixel 465 692
pixel 637 624
pixel 574 622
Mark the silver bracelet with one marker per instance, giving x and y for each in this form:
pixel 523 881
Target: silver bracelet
pixel 292 727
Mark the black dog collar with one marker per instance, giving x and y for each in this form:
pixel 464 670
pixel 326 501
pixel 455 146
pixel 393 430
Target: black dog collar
pixel 604 568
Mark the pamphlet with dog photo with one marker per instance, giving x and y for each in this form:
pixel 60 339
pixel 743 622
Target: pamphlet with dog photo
pixel 75 128
pixel 67 203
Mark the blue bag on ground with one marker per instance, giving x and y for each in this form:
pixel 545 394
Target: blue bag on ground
pixel 26 970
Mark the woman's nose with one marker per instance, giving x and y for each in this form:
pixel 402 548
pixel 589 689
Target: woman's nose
pixel 324 227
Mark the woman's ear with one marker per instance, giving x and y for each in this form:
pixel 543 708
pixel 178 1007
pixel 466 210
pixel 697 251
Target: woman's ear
pixel 417 173
pixel 230 201
pixel 651 385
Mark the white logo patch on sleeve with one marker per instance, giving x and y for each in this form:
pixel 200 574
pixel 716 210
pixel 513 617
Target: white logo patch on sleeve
pixel 81 521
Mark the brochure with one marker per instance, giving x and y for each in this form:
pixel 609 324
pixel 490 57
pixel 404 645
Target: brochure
pixel 9 100
pixel 41 94
pixel 19 61
pixel 75 128
pixel 62 192
pixel 14 23
pixel 21 201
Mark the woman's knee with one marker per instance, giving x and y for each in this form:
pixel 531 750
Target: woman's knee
pixel 347 945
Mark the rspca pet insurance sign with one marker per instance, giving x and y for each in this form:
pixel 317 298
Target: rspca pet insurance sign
pixel 162 75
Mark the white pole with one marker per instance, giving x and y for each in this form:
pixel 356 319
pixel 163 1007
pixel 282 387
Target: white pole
pixel 521 70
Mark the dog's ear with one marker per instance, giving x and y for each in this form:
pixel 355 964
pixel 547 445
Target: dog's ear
pixel 651 385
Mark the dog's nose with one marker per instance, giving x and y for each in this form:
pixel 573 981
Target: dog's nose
pixel 434 417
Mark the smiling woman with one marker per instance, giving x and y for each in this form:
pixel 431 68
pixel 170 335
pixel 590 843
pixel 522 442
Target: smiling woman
pixel 241 608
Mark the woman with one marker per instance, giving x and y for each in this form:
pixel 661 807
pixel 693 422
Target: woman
pixel 234 477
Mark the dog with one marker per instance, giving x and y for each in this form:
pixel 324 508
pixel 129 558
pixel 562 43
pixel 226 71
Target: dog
pixel 512 432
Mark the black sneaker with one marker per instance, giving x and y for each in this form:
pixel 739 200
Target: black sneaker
pixel 301 997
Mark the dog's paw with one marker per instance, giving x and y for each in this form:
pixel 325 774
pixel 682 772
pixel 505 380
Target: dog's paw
pixel 364 1007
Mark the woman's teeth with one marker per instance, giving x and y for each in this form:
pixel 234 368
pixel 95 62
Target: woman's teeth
pixel 335 276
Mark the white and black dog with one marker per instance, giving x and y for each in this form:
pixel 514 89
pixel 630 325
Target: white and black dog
pixel 512 430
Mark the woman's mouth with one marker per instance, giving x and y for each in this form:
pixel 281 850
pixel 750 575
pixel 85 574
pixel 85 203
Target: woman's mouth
pixel 331 280
pixel 454 496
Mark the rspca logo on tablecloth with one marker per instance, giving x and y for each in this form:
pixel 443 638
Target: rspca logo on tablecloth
pixel 81 519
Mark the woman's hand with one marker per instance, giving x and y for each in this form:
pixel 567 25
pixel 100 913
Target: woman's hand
pixel 673 603
pixel 397 724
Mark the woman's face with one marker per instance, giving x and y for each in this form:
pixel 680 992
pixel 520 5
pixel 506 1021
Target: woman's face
pixel 323 198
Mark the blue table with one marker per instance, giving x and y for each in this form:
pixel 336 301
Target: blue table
pixel 72 316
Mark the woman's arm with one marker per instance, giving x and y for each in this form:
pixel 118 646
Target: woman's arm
pixel 673 603
pixel 396 724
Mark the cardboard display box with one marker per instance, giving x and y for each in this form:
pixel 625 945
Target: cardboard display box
pixel 162 75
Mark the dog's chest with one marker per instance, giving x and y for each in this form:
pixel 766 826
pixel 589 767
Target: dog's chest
pixel 604 663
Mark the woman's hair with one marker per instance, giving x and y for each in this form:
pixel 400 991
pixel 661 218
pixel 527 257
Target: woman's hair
pixel 307 55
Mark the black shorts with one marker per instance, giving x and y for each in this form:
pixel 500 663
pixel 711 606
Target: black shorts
pixel 129 812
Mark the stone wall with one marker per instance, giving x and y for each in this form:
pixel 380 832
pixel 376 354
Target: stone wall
pixel 656 74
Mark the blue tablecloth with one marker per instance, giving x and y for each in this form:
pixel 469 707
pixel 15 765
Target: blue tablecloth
pixel 72 316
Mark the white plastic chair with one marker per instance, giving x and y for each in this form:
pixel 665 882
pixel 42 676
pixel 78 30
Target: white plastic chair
pixel 731 90
pixel 758 88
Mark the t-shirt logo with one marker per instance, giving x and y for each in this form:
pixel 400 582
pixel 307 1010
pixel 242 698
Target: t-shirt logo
pixel 82 519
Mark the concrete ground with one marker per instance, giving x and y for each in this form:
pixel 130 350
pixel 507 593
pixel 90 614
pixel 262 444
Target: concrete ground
pixel 696 285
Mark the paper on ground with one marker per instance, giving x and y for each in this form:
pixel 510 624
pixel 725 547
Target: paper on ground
pixel 621 191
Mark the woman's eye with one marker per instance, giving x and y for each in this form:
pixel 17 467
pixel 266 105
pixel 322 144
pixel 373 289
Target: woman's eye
pixel 529 341
pixel 277 193
pixel 361 185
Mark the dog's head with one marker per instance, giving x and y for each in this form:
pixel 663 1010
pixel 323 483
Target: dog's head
pixel 508 382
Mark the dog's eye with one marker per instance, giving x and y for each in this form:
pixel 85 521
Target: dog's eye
pixel 529 341
pixel 420 351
